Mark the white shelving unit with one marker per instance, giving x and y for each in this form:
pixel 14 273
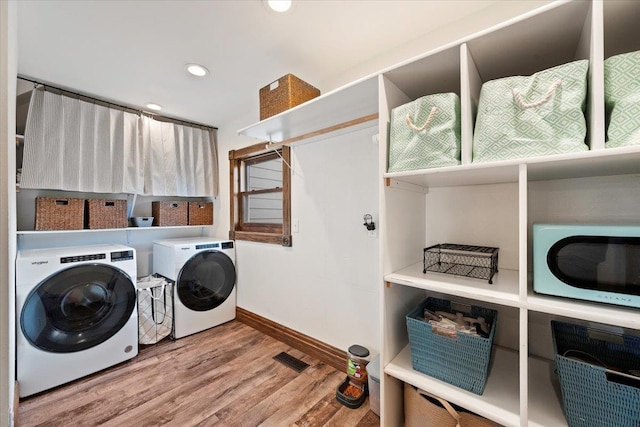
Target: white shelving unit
pixel 491 204
pixel 496 204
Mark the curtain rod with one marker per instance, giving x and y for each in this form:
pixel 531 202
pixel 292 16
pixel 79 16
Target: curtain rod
pixel 124 107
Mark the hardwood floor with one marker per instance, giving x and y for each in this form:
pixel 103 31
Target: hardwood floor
pixel 225 376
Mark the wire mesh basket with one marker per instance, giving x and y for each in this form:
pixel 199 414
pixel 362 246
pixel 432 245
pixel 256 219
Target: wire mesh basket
pixel 480 262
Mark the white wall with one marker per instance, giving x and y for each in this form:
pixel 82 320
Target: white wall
pixel 326 284
pixel 8 71
pixel 495 14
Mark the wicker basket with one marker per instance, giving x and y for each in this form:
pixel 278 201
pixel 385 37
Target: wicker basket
pixel 286 92
pixel 463 360
pixel 106 213
pixel 171 213
pixel 59 213
pixel 594 367
pixel 422 409
pixel 200 213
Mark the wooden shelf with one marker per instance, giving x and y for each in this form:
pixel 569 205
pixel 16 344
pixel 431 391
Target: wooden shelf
pixel 504 289
pixel 344 104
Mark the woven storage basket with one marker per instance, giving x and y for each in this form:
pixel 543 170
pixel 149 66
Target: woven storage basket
pixel 170 213
pixel 286 92
pixel 462 360
pixel 422 409
pixel 200 213
pixel 59 213
pixel 106 213
pixel 595 395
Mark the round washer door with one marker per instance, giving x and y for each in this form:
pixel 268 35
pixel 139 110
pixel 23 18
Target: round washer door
pixel 206 280
pixel 78 308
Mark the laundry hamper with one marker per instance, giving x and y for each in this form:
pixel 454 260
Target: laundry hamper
pixel 598 373
pixel 155 309
pixel 622 99
pixel 425 133
pixel 423 409
pixel 529 116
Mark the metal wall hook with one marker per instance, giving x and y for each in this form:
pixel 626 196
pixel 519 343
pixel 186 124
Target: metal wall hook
pixel 368 222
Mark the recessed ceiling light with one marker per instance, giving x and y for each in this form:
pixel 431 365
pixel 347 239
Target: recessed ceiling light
pixel 197 70
pixel 280 5
pixel 154 107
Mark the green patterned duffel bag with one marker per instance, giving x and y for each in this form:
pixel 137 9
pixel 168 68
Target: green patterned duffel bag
pixel 425 133
pixel 529 116
pixel 622 99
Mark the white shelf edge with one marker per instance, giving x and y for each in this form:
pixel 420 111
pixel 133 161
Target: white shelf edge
pixel 98 230
pixel 621 160
pixel 351 101
pixel 625 317
pixel 500 400
pixel 503 291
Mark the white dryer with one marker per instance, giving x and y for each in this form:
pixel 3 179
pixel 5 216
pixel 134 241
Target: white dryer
pixel 204 272
pixel 75 311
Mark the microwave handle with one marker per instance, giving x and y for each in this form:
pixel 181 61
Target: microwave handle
pixel 622 378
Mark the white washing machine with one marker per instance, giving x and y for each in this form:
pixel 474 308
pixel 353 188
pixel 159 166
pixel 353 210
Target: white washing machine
pixel 75 311
pixel 204 272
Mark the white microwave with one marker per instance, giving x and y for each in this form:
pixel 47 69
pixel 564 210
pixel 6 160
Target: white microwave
pixel 589 262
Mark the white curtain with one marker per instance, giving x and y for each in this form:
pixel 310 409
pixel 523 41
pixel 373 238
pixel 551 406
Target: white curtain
pixel 74 145
pixel 179 160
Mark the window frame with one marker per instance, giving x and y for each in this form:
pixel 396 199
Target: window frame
pixel 258 232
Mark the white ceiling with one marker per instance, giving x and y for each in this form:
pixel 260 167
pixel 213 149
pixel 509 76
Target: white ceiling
pixel 134 52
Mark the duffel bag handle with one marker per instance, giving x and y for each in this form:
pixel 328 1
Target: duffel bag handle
pixel 445 404
pixel 426 124
pixel 524 105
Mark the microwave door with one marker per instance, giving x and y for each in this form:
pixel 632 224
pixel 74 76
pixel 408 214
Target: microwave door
pixel 601 263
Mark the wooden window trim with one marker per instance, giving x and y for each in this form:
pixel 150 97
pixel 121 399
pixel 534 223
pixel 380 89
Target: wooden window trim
pixel 255 232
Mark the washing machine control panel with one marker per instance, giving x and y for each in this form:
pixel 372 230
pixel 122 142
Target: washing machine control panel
pixel 208 246
pixel 121 256
pixel 79 258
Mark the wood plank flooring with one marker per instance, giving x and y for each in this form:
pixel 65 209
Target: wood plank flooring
pixel 225 376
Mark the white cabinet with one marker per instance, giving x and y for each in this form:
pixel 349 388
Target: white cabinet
pixel 495 204
pixel 491 204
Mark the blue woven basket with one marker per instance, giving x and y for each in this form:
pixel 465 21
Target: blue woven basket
pixel 592 396
pixel 462 361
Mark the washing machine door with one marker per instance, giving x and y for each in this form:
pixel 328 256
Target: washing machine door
pixel 206 280
pixel 78 308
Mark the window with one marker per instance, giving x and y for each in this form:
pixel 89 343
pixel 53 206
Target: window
pixel 260 194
